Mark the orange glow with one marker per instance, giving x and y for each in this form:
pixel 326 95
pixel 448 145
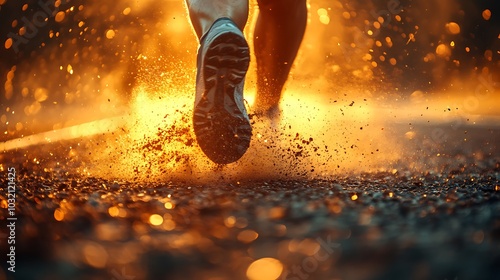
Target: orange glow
pixel 265 269
pixel 354 197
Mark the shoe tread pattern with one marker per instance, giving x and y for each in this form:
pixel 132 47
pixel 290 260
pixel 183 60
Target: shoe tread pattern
pixel 222 130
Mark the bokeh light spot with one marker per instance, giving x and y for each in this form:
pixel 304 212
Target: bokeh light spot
pixel 230 221
pixel 265 269
pixel 247 236
pixel 59 214
pixel 443 50
pixel 95 255
pixel 155 220
pixel 168 225
pixel 113 211
pixel 169 205
pixel 453 28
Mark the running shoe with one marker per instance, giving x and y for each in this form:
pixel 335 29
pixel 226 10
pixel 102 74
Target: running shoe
pixel 220 120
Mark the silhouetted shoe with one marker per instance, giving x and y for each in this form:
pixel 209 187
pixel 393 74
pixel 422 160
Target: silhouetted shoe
pixel 220 120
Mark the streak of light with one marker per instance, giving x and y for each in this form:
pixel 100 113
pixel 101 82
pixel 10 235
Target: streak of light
pixel 67 133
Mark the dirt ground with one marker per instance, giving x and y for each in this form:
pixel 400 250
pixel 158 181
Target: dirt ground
pixel 443 223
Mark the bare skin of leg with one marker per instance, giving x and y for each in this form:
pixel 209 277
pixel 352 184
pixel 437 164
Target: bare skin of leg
pixel 279 31
pixel 203 13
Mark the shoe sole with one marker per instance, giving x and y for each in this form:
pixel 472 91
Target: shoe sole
pixel 222 130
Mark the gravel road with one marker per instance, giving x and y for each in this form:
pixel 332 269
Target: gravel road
pixel 400 224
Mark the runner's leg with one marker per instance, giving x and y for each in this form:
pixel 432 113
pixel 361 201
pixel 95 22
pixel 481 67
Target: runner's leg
pixel 278 34
pixel 203 13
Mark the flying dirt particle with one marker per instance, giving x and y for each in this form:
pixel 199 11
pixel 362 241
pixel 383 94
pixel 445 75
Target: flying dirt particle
pixel 443 51
pixel 8 43
pixel 488 54
pixel 453 28
pixel 417 96
pixel 487 14
pixel 127 11
pixel 41 94
pixel 110 34
pixel 410 135
pixel 60 16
